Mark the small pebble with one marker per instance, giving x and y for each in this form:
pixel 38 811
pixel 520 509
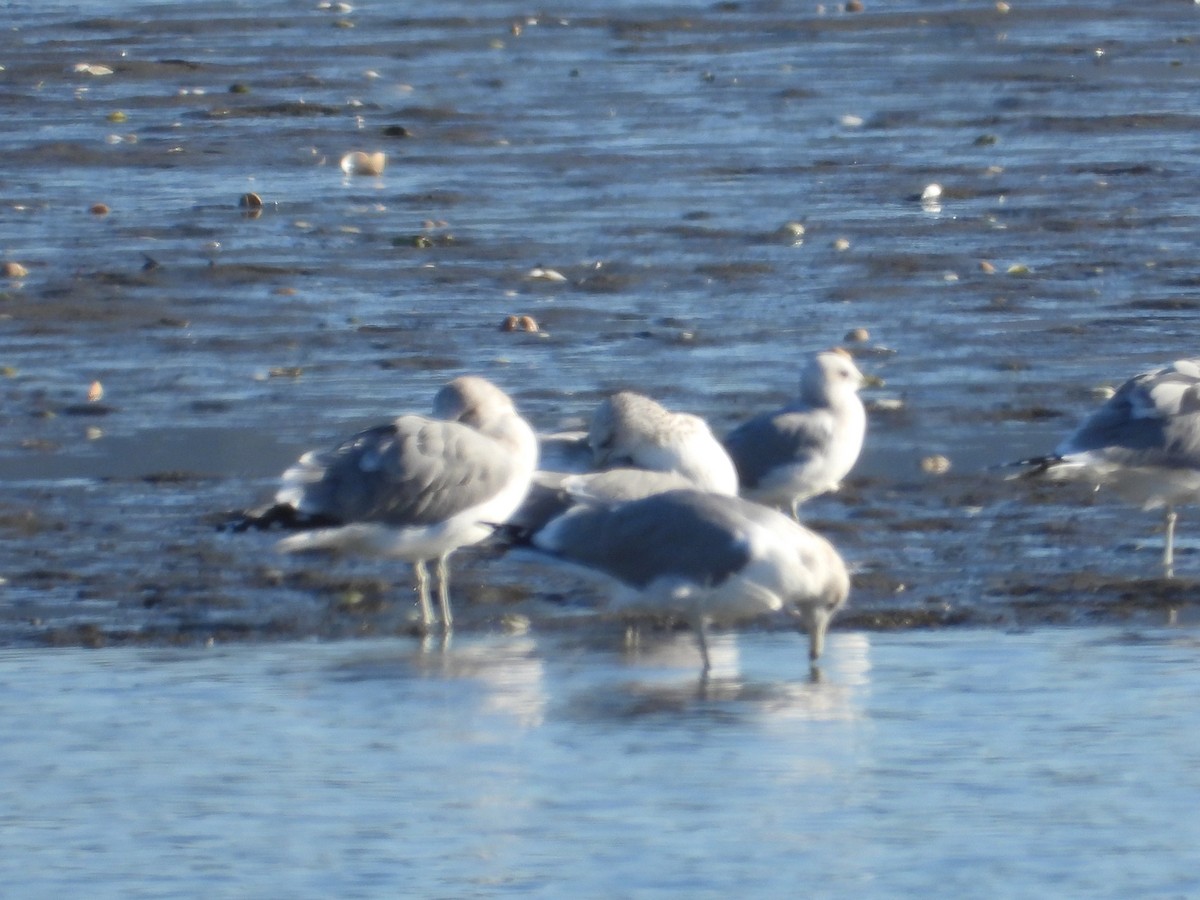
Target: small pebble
pixel 857 336
pixel 854 6
pixel 520 323
pixel 359 163
pixel 986 267
pixel 935 465
pixel 515 623
pixel 250 200
pixel 95 392
pixel 99 209
pixel 931 192
pixel 14 270
pixel 841 244
pixel 792 231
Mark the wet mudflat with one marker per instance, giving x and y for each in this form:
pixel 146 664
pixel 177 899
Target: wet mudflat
pixel 660 158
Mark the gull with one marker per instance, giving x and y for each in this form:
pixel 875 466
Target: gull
pixel 703 557
pixel 809 446
pixel 633 430
pixel 415 489
pixel 634 447
pixel 1143 442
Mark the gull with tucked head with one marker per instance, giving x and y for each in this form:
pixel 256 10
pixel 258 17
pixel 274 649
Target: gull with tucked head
pixel 634 447
pixel 633 430
pixel 415 489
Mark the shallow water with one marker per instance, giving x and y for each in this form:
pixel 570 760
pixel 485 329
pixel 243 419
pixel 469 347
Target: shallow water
pixel 964 763
pixel 653 155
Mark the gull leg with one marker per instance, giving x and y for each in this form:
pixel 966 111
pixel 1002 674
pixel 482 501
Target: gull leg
pixel 795 509
pixel 698 623
pixel 1169 544
pixel 633 638
pixel 422 577
pixel 443 577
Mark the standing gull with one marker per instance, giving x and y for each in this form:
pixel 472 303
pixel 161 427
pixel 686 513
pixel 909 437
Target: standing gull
pixel 809 446
pixel 1143 442
pixel 704 557
pixel 416 489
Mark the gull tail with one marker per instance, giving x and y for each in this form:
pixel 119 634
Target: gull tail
pixel 279 515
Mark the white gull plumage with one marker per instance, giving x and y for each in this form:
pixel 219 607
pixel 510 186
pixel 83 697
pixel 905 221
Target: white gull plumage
pixel 704 557
pixel 1143 443
pixel 632 430
pixel 809 446
pixel 415 489
pixel 634 447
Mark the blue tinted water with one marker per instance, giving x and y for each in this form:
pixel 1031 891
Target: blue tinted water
pixel 973 763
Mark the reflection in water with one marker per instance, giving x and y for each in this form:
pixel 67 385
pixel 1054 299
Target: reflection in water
pixel 779 685
pixel 509 670
pixel 381 768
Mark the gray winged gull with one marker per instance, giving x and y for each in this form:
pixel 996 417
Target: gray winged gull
pixel 809 446
pixel 635 447
pixel 415 489
pixel 704 557
pixel 633 430
pixel 1143 443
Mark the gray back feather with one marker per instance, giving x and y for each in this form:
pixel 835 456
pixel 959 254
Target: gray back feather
pixel 415 471
pixel 765 442
pixel 681 533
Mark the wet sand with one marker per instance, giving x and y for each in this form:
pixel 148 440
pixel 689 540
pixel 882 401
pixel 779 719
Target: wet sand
pixel 654 158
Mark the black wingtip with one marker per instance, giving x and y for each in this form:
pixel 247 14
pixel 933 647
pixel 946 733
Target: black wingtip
pixel 1033 465
pixel 280 515
pixel 510 534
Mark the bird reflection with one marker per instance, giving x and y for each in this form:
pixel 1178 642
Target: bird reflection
pixel 667 688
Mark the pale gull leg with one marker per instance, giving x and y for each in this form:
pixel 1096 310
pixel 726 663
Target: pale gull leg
pixel 1169 544
pixel 443 577
pixel 701 628
pixel 816 636
pixel 795 509
pixel 422 577
pixel 633 638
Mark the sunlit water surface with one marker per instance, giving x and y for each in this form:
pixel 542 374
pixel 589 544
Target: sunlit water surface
pixel 966 764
